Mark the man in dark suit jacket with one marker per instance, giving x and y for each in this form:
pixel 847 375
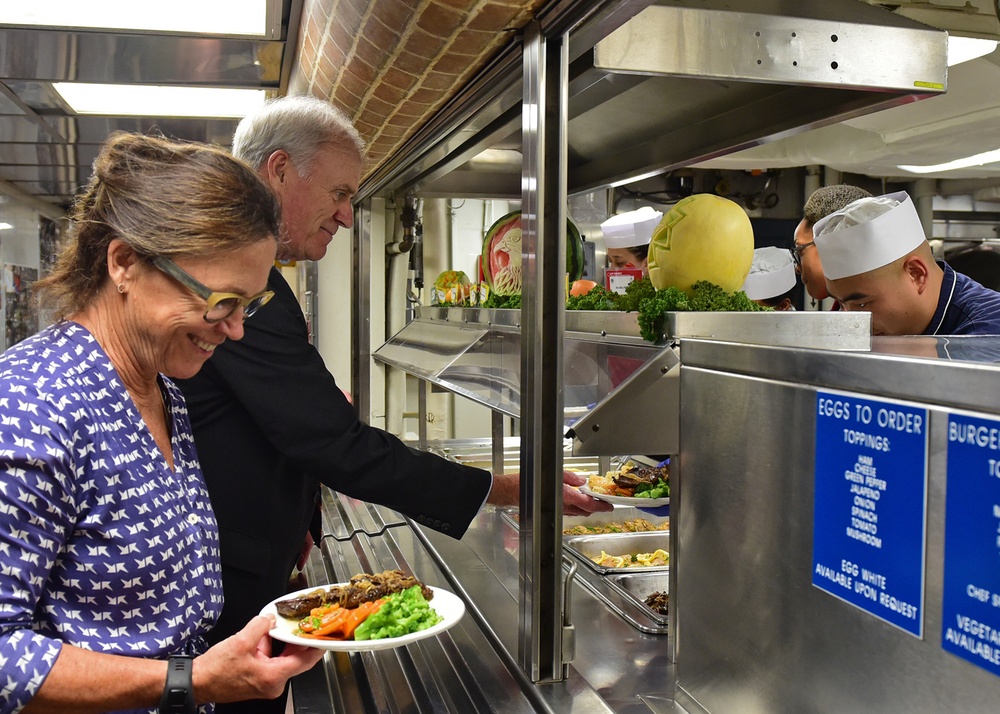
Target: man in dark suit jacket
pixel 269 421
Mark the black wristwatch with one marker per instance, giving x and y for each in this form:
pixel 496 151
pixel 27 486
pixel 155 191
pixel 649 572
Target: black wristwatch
pixel 178 693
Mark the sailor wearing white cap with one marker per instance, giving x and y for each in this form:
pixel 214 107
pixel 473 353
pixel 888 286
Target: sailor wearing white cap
pixel 876 258
pixel 627 237
pixel 771 278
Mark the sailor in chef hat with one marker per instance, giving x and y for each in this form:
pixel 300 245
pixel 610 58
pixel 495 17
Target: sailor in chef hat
pixel 627 237
pixel 771 280
pixel 877 259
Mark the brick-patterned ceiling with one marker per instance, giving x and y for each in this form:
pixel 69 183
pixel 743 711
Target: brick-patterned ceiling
pixel 391 64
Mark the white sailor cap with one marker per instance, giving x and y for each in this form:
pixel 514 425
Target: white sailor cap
pixel 867 234
pixel 631 229
pixel 772 273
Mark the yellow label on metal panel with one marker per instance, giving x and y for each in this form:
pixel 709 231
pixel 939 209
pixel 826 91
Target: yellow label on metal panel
pixel 928 85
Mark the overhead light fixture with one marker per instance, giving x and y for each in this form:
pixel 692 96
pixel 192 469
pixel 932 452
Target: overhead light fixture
pixel 5 226
pixel 212 17
pixel 987 157
pixel 963 49
pixel 497 157
pixel 159 101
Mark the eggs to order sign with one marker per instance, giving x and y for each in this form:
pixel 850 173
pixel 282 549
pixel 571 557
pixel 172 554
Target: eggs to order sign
pixel 870 505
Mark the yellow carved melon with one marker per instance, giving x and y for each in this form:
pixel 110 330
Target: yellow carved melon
pixel 703 237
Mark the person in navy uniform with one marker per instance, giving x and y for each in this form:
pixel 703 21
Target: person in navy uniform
pixel 877 259
pixel 820 204
pixel 771 280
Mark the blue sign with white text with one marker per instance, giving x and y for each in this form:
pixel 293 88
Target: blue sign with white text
pixel 870 505
pixel 970 615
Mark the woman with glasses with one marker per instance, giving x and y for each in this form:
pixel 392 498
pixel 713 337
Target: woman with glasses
pixel 110 572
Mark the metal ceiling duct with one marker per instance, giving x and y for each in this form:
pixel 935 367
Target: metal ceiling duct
pixel 709 78
pixel 681 82
pixel 754 44
pixel 46 149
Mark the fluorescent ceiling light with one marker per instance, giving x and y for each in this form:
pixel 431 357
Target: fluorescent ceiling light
pixel 963 49
pixel 142 100
pixel 497 157
pixel 213 17
pixel 987 157
pixel 5 226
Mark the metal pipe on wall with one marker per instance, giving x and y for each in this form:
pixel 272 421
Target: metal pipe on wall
pixel 811 181
pixel 437 258
pixel 922 191
pixel 395 379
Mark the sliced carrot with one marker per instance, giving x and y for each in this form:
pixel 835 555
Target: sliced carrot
pixel 331 624
pixel 359 616
pixel 344 623
pixel 322 613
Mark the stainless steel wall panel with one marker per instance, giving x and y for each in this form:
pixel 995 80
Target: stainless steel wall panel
pixel 753 634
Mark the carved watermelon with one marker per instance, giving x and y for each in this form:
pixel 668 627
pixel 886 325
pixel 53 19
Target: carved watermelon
pixel 502 254
pixel 702 238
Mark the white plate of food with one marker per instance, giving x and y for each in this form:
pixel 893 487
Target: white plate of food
pixel 448 605
pixel 626 500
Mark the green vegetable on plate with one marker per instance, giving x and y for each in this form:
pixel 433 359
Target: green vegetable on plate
pixel 660 490
pixel 401 614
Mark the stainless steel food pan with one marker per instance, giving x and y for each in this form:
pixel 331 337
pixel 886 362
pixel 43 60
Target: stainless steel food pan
pixel 639 586
pixel 588 547
pixel 620 514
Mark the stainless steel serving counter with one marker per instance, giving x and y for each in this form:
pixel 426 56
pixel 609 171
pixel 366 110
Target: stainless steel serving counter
pixel 757 633
pixel 472 666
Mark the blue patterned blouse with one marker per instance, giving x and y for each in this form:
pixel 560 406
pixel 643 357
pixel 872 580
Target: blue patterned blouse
pixel 101 545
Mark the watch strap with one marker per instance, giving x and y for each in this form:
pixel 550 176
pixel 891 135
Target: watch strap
pixel 178 692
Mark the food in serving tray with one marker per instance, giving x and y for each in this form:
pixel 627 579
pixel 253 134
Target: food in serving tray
pixel 369 607
pixel 658 601
pixel 633 525
pixel 633 481
pixel 658 557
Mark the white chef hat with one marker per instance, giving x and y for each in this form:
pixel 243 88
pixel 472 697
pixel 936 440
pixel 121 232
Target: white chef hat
pixel 867 234
pixel 772 273
pixel 631 229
